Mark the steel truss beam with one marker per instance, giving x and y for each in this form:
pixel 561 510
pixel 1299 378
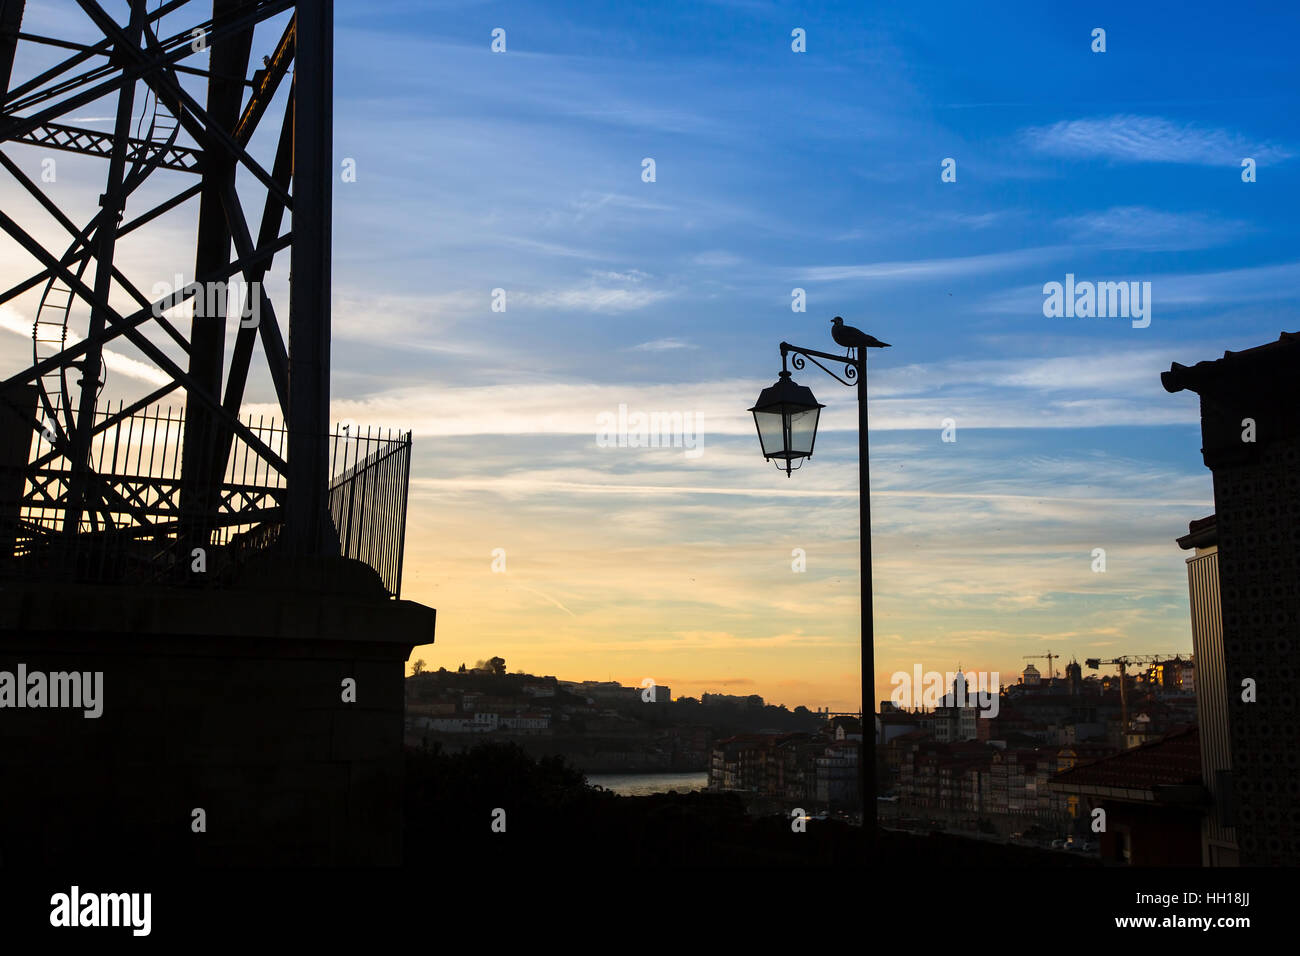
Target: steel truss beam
pixel 221 130
pixel 90 142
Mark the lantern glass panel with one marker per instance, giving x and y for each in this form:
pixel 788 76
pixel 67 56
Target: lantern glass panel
pixel 803 430
pixel 771 432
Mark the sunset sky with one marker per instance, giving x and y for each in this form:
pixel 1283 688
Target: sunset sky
pixel 777 170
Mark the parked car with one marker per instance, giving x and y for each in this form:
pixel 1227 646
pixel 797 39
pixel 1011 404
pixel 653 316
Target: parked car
pixel 1058 844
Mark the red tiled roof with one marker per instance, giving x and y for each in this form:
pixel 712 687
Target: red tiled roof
pixel 910 736
pixel 1173 760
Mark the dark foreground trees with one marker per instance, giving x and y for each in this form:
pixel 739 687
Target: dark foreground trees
pixel 494 803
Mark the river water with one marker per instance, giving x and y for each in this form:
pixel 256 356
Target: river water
pixel 643 784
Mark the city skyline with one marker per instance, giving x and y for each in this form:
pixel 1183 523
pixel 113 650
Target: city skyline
pixel 777 170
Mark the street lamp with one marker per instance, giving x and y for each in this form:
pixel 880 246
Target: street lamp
pixel 786 416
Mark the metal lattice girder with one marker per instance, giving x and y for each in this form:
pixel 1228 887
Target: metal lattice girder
pixel 202 110
pixel 158 497
pixel 89 142
pixel 129 327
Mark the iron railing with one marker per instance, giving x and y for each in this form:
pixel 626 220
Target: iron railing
pixel 367 500
pixel 144 522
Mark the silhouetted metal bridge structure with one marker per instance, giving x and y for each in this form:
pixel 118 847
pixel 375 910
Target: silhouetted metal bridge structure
pixel 204 141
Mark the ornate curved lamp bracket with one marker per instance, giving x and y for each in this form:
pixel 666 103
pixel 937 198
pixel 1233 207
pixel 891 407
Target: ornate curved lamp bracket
pixel 850 366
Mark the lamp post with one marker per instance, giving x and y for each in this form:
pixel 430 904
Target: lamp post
pixel 786 416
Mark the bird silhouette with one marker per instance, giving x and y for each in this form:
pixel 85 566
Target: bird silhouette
pixel 850 337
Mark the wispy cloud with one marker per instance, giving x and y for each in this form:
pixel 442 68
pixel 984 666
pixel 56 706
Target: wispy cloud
pixel 931 268
pixel 592 298
pixel 1225 289
pixel 1149 139
pixel 1092 388
pixel 663 345
pixel 589 204
pixel 717 259
pixel 605 292
pixel 1138 227
pixel 114 361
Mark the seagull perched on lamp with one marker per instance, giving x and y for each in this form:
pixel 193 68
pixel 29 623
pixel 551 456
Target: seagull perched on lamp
pixel 850 337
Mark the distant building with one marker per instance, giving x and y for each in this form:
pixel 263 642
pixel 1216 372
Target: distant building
pixel 457 723
pixel 739 763
pixel 895 723
pixel 1152 798
pixel 527 723
pixel 1080 732
pixel 1074 678
pixel 843 727
pixel 810 769
pixel 612 692
pixel 433 708
pixel 1218 837
pixel 837 776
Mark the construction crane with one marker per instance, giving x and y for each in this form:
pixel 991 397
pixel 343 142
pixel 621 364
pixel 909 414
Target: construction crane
pixel 1123 664
pixel 1051 668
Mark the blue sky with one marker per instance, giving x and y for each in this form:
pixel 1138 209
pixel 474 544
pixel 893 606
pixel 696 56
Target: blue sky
pixel 820 170
pixel 777 170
